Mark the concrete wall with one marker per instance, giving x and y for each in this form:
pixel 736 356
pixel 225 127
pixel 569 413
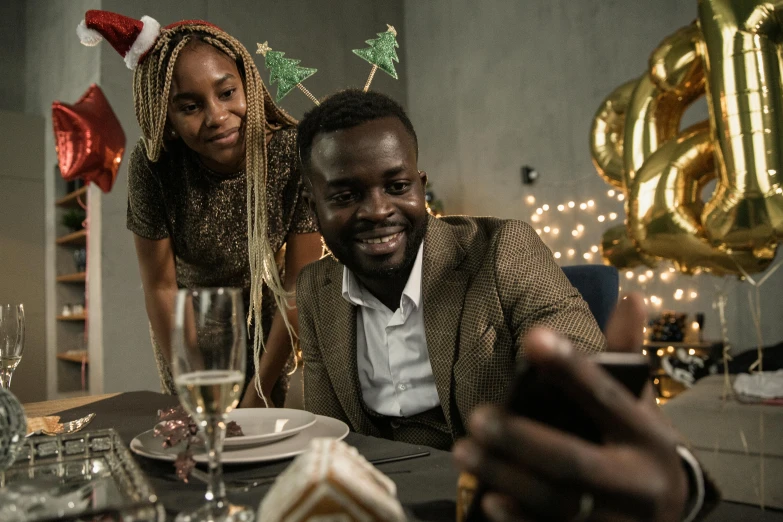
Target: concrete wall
pixel 12 56
pixel 22 244
pixel 493 86
pixel 57 67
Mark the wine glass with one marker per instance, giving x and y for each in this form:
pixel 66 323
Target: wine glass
pixel 208 364
pixel 11 341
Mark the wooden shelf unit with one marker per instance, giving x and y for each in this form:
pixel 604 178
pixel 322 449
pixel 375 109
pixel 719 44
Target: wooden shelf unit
pixel 76 356
pixel 82 317
pixel 72 199
pixel 77 277
pixel 78 238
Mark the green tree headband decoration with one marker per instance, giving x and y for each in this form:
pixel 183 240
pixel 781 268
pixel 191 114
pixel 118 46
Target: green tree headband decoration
pixel 287 73
pixel 381 54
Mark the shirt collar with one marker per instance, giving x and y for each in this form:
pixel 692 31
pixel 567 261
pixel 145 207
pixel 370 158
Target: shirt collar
pixel 353 290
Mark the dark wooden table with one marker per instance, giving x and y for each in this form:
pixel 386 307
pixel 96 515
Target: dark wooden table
pixel 426 486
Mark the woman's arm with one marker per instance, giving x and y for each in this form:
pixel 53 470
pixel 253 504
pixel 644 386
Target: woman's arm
pixel 301 249
pixel 159 280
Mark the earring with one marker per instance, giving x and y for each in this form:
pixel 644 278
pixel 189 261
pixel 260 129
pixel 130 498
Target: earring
pixel 173 134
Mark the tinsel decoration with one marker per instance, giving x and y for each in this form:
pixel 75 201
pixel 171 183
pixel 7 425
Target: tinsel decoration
pixel 175 426
pixel 13 426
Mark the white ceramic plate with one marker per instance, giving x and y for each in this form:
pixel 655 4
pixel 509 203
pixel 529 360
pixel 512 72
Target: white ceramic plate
pixel 265 425
pixel 146 445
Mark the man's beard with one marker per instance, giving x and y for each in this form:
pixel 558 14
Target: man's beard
pixel 414 238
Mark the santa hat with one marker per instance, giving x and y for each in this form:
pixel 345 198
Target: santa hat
pixel 132 38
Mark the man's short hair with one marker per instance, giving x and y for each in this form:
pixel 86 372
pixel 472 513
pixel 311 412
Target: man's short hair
pixel 343 110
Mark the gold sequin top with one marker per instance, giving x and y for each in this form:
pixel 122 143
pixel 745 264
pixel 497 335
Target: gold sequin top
pixel 205 213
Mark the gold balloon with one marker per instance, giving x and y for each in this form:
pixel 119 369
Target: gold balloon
pixel 660 99
pixel 665 205
pixel 741 43
pixel 618 250
pixel 606 136
pixel 664 170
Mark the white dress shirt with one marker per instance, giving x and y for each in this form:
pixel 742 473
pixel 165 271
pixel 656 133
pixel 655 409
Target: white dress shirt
pixel 391 348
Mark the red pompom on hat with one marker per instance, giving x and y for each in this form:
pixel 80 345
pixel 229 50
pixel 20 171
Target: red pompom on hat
pixel 132 38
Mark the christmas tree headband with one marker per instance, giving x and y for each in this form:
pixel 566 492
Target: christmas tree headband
pixel 287 73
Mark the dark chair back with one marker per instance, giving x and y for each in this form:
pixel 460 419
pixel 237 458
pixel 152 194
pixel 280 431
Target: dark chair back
pixel 599 286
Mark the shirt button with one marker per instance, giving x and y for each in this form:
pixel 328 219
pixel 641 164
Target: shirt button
pixel 394 424
pixel 401 387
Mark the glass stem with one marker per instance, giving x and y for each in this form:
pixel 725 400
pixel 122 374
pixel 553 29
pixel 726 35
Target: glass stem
pixel 214 434
pixel 5 379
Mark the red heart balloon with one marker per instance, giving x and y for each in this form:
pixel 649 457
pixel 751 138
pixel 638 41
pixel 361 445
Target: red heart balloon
pixel 89 139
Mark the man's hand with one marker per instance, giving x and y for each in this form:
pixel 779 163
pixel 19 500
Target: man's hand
pixel 535 472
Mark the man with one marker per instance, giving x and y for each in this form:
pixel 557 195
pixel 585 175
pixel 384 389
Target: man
pixel 414 321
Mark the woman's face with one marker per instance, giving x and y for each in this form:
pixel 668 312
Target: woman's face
pixel 207 106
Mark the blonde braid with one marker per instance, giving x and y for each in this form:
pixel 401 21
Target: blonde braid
pixel 152 82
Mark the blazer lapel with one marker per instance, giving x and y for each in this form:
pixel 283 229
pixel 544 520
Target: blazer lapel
pixel 443 288
pixel 337 338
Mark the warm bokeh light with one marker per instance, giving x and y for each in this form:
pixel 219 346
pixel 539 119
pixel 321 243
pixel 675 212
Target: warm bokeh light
pixel 561 208
pixel 601 218
pixel 547 229
pixel 530 200
pixel 571 204
pixel 594 249
pixel 591 203
pixel 545 207
pixel 571 252
pixel 629 275
pixel 678 294
pixel 557 255
pixel 610 193
pixel 613 215
pixel 580 228
pixel 583 206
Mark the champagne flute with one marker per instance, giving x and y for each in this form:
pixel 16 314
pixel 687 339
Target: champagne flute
pixel 11 341
pixel 208 364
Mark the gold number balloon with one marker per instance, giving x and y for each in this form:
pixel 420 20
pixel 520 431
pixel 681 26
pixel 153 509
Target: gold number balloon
pixel 663 170
pixel 741 45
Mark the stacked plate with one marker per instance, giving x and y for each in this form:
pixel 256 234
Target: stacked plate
pixel 268 434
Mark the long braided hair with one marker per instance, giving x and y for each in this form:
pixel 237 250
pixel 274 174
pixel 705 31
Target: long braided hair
pixel 151 85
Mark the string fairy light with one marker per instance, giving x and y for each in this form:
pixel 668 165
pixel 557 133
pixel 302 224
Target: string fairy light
pixel 629 275
pixel 601 218
pixel 571 204
pixel 610 193
pixel 561 207
pixel 545 207
pixel 531 200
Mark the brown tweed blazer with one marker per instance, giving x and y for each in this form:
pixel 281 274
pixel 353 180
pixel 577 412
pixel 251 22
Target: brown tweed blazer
pixel 486 282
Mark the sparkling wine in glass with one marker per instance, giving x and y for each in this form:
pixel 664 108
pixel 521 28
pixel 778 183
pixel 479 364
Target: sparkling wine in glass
pixel 208 364
pixel 11 341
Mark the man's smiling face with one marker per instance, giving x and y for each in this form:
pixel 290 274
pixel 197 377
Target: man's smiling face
pixel 368 197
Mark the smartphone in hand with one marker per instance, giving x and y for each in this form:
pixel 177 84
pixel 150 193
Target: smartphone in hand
pixel 537 396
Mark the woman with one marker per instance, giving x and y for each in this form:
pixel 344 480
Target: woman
pixel 214 190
